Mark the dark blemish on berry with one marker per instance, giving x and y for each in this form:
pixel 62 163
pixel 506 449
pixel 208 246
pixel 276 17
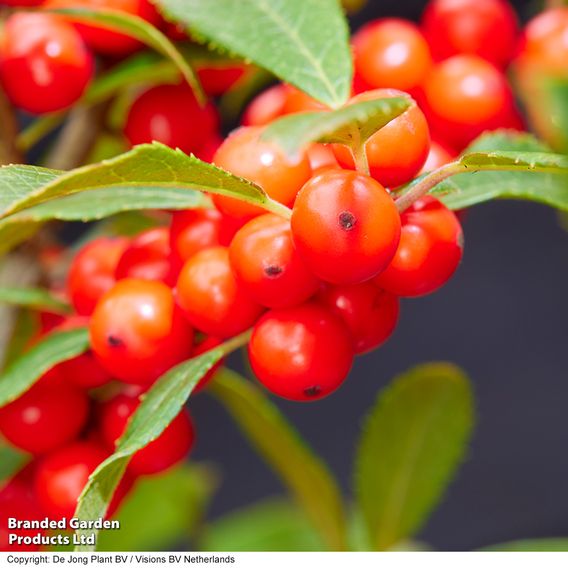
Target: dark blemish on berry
pixel 114 341
pixel 312 391
pixel 273 270
pixel 347 220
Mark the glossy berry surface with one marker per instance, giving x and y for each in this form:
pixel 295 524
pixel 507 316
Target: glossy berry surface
pixel 62 475
pixel 465 95
pixel 346 226
pixel 430 249
pixel 217 79
pixel 211 298
pixel 266 263
pixel 277 101
pixel 438 156
pixel 370 314
pixel 265 107
pixel 396 152
pixel 102 39
pixel 171 447
pixel 138 332
pixel 194 230
pixel 44 65
pixel 147 257
pixel 544 44
pixel 244 154
pixel 391 53
pixel 83 371
pixel 17 501
pixel 92 272
pixel 487 28
pixel 47 416
pixel 302 353
pixel 171 115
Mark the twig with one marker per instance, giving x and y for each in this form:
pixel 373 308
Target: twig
pixel 17 269
pixel 423 186
pixel 9 153
pixel 76 139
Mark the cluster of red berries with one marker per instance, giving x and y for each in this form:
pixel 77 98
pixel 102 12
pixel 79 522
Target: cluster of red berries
pixel 47 61
pixel 316 288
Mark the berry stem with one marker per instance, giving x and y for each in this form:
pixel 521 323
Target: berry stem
pixel 424 185
pixel 77 138
pixel 359 154
pixel 9 153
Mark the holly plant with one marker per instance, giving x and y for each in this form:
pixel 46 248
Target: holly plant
pixel 246 176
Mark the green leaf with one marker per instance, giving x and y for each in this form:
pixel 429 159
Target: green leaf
pixel 507 140
pixel 36 298
pixel 177 497
pixel 273 525
pixel 11 461
pixel 357 121
pixel 140 29
pixel 28 368
pixel 27 325
pixel 531 545
pixel 305 475
pixel 303 42
pixel 533 176
pixel 159 406
pixel 147 166
pixel 414 439
pixel 94 205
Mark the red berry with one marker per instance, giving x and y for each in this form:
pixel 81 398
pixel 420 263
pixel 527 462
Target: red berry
pixel 397 151
pixel 301 353
pixel 208 150
pixel 216 79
pixel 83 371
pixel 17 501
pixel 346 226
pixel 92 272
pixel 244 154
pixel 45 417
pixel 321 157
pixel 370 314
pixel 138 332
pixel 278 101
pixel 62 475
pixel 44 65
pixel 102 39
pixel 465 95
pixel 266 107
pixel 391 53
pixel 298 101
pixel 430 249
pixel 266 263
pixel 212 300
pixel 544 45
pixel 171 115
pixel 438 156
pixel 192 231
pixel 487 28
pixel 147 257
pixel 171 446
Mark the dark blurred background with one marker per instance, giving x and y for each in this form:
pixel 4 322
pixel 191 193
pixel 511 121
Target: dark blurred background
pixel 503 319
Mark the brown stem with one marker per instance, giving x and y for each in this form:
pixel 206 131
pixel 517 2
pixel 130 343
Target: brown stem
pixel 9 153
pixel 76 139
